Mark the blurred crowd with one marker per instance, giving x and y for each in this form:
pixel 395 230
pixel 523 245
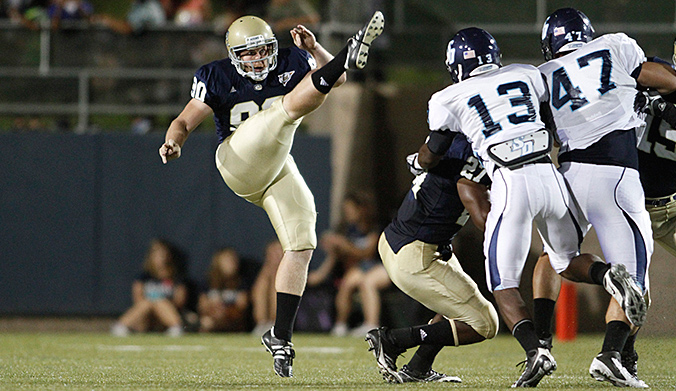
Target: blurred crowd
pixel 282 14
pixel 137 17
pixel 238 294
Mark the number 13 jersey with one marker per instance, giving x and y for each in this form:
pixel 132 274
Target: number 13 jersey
pixel 491 108
pixel 593 89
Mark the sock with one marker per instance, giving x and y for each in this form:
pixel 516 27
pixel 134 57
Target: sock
pixel 325 77
pixel 422 360
pixel 597 270
pixel 524 332
pixel 543 313
pixel 617 333
pixel 439 333
pixel 287 308
pixel 629 345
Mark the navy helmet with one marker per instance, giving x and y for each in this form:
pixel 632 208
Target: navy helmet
pixel 567 29
pixel 472 51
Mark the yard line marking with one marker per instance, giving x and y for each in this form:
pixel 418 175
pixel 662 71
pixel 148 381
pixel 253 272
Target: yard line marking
pixel 311 349
pixel 140 348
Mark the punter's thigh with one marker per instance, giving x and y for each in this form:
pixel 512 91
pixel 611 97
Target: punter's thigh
pixel 290 206
pixel 252 157
pixel 440 286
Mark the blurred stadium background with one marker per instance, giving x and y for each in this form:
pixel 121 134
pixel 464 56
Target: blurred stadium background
pixel 83 110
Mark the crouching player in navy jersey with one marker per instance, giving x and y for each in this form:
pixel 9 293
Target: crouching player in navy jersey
pixel 593 85
pixel 258 97
pixel 499 110
pixel 415 249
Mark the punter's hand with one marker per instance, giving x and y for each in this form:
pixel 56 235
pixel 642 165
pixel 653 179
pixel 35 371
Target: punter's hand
pixel 170 150
pixel 303 38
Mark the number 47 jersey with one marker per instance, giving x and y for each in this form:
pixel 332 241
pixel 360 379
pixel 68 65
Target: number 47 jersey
pixel 491 108
pixel 593 89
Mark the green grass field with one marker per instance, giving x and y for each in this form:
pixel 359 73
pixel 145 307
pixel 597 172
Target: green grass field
pixel 79 361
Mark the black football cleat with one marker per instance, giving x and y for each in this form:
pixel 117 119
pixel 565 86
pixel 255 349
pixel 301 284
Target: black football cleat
pixel 539 363
pixel 547 342
pixel 282 353
pixel 386 353
pixel 407 375
pixel 630 362
pixel 621 285
pixel 358 46
pixel 607 366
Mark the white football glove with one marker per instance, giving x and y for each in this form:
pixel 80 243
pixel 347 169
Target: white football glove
pixel 413 164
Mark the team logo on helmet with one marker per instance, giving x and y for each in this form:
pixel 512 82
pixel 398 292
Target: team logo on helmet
pixel 471 52
pixel 565 30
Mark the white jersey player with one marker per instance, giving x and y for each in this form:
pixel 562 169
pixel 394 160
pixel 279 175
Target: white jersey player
pixel 593 84
pixel 498 109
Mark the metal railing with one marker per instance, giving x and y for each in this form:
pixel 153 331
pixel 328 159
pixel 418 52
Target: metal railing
pixel 84 70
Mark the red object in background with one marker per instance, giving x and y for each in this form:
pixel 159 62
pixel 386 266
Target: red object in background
pixel 566 312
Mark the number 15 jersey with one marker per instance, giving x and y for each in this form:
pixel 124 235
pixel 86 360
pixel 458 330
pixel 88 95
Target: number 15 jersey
pixel 491 108
pixel 593 89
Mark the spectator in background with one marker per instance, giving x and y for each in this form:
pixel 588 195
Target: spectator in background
pixel 356 247
pixel 170 7
pixel 223 307
pixel 263 292
pixel 142 14
pixel 284 15
pixel 158 294
pixel 28 13
pixel 193 13
pixel 71 10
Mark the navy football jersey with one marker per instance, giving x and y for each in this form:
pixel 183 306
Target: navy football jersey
pixel 234 98
pixel 657 159
pixel 432 211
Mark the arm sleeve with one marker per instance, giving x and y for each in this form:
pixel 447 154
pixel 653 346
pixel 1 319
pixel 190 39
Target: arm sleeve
pixel 439 141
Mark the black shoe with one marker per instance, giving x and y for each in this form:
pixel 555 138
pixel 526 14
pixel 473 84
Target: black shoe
pixel 408 376
pixel 358 46
pixel 607 366
pixel 539 363
pixel 386 353
pixel 282 353
pixel 630 362
pixel 621 285
pixel 547 342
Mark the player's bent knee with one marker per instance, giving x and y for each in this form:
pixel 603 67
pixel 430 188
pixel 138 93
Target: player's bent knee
pixel 290 205
pixel 492 324
pixel 487 324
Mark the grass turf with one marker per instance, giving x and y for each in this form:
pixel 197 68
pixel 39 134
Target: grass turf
pixel 78 361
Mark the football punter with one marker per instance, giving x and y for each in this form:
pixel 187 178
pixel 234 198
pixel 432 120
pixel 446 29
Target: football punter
pixel 499 110
pixel 415 249
pixel 258 97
